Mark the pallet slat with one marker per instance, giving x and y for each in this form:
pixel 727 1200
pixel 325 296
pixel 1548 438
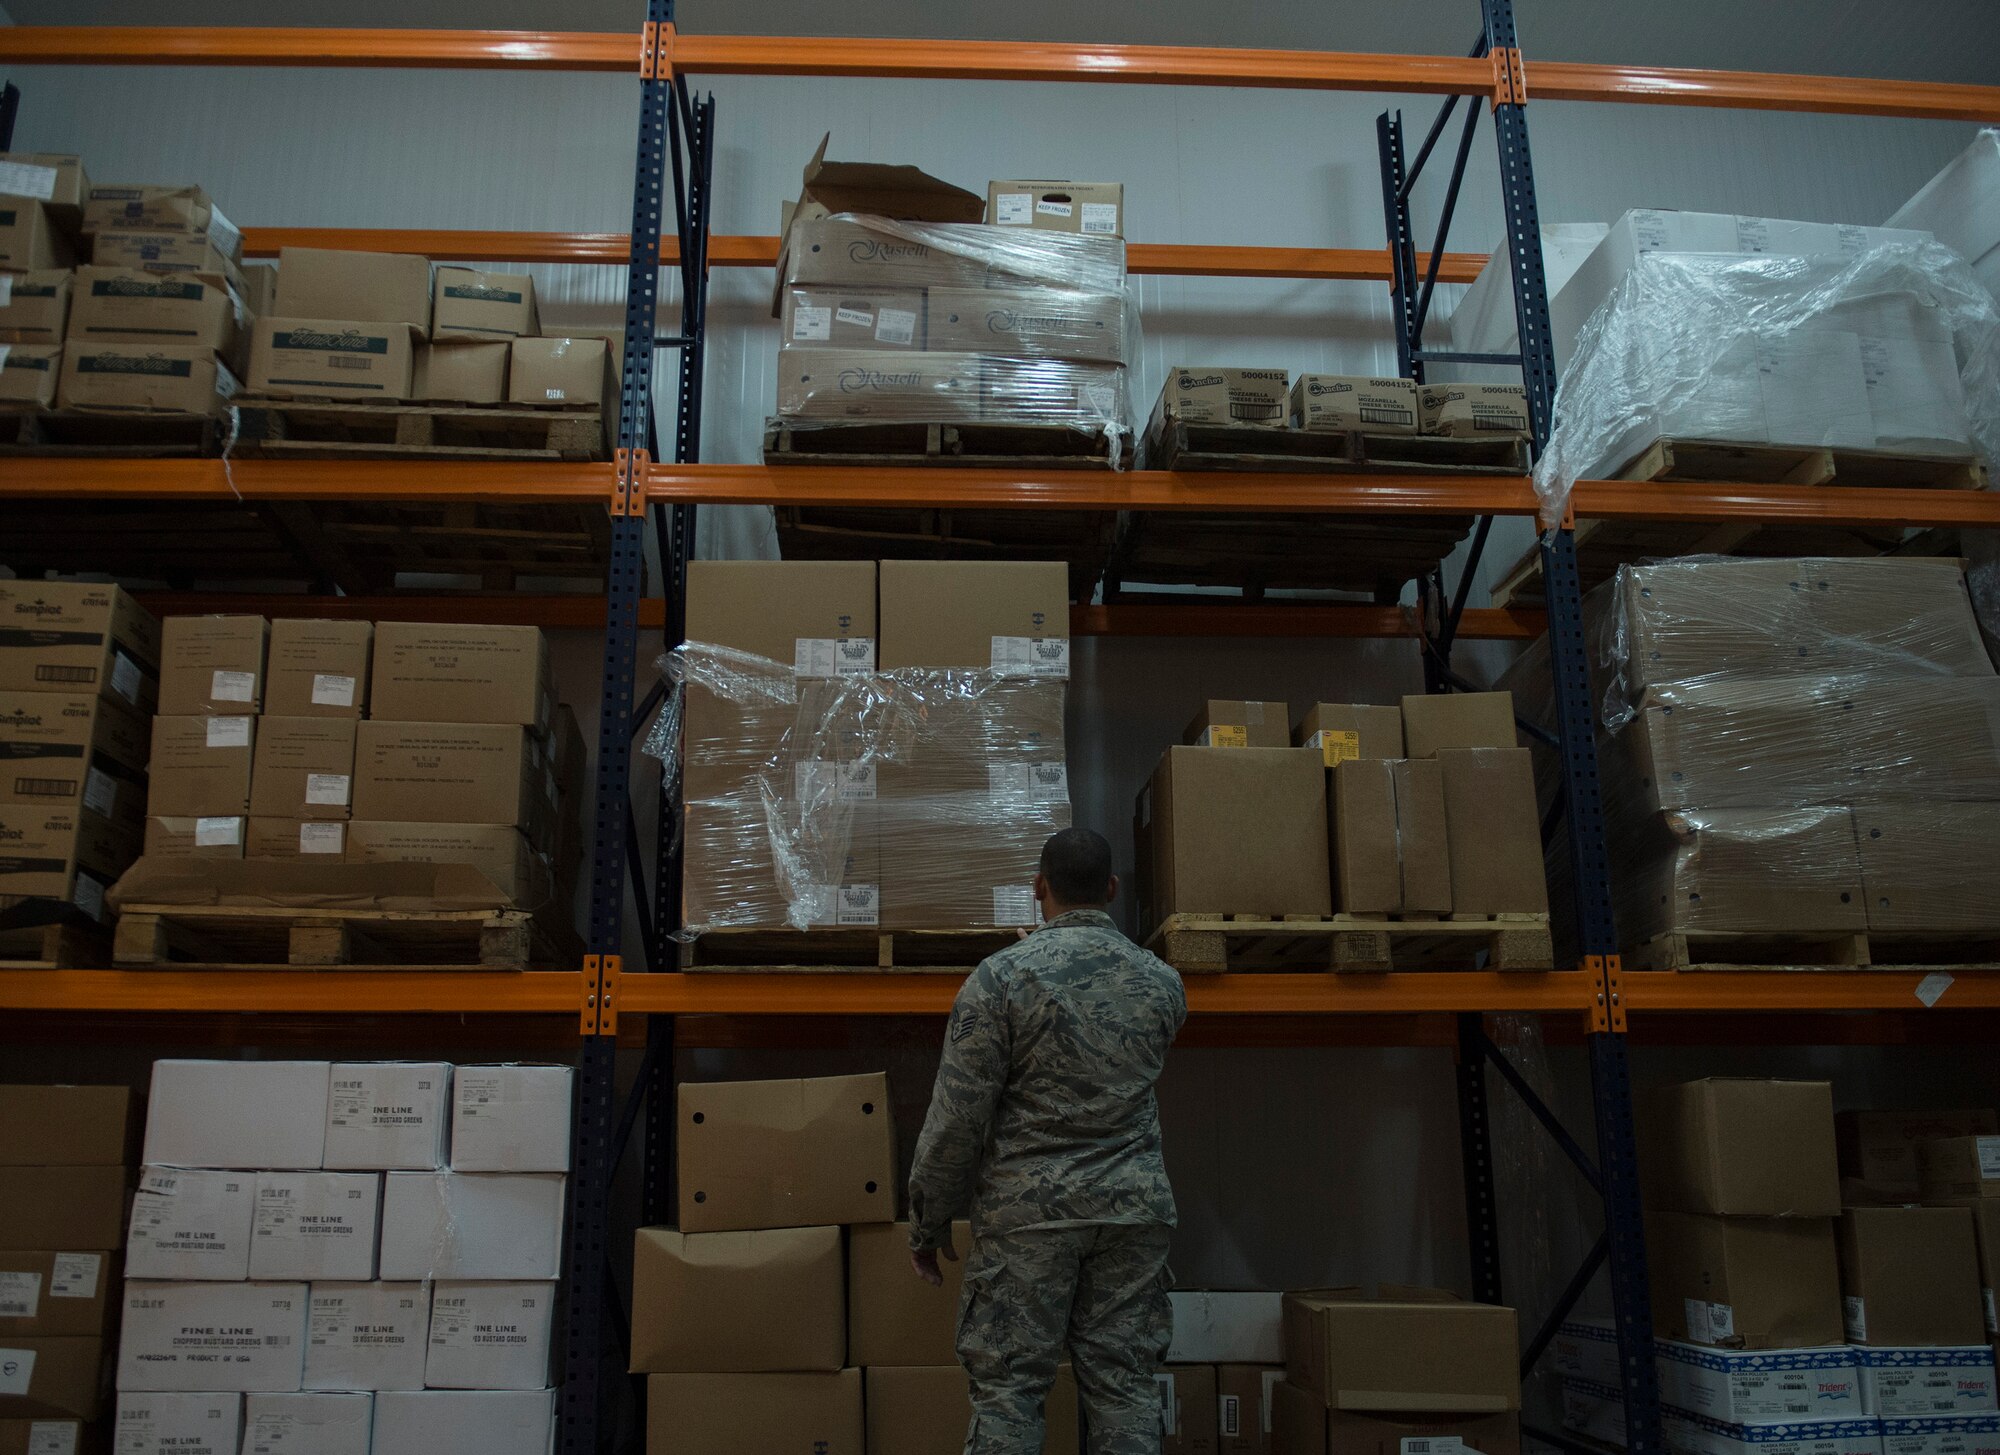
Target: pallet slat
pixel 1215 944
pixel 316 429
pixel 1720 951
pixel 246 937
pixel 877 951
pixel 1178 445
pixel 972 443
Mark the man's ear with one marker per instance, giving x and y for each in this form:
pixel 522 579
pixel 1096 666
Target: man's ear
pixel 1041 888
pixel 1111 894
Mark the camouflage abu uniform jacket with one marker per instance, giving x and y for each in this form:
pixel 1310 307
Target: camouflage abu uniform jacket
pixel 1043 1115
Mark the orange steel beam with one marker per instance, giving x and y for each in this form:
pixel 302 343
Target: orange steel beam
pixel 217 480
pixel 449 244
pixel 490 50
pixel 470 992
pixel 1800 990
pixel 1305 619
pixel 1762 91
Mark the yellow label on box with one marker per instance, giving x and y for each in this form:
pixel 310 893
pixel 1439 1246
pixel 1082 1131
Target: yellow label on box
pixel 1339 747
pixel 1225 735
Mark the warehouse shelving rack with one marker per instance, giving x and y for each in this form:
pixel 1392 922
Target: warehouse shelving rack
pixel 646 491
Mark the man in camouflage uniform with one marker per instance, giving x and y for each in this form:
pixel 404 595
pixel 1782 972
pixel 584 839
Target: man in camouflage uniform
pixel 1043 1120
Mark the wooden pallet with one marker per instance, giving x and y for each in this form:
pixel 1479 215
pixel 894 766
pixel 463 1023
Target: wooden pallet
pixel 1177 445
pixel 1721 950
pixel 345 429
pixel 1602 546
pixel 1208 944
pixel 53 947
pixel 770 951
pixel 108 434
pixel 250 937
pixel 1258 553
pixel 1080 538
pixel 870 442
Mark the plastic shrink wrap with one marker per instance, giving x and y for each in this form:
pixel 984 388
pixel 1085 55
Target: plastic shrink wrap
pixel 898 322
pixel 905 799
pixel 1792 746
pixel 1896 348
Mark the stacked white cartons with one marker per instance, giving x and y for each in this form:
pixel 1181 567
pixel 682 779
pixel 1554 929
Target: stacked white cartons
pixel 279 1296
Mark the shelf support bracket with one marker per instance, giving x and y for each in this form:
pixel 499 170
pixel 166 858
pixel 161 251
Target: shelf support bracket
pixel 628 486
pixel 1607 1009
pixel 1510 78
pixel 656 51
pixel 600 994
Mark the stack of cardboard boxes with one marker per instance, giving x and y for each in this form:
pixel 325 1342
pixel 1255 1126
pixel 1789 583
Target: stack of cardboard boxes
pixel 1225 1366
pixel 64 1173
pixel 826 782
pixel 79 677
pixel 1430 807
pixel 342 741
pixel 345 1256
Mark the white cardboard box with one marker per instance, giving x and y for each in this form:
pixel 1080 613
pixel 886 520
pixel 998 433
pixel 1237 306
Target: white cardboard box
pixel 1227 1328
pixel 367 1336
pixel 1752 1386
pixel 52 1437
pixel 307 1424
pixel 213 1336
pixel 189 1223
pixel 1585 1349
pixel 1688 1434
pixel 465 1422
pixel 490 1336
pixel 388 1114
pixel 472 1225
pixel 316 1225
pixel 1941 1435
pixel 510 1119
pixel 179 1424
pixel 250 1114
pixel 1944 1381
pixel 1960 206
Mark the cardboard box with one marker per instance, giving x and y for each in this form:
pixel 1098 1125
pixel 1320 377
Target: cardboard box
pixel 1237 831
pixel 29 375
pixel 1435 721
pixel 317 668
pixel 200 766
pixel 316 1225
pixel 817 615
pixel 53 178
pixel 465 1422
pixel 198 1424
pixel 43 1437
pixel 1695 1435
pixel 170 208
pixel 298 355
pixel 192 1224
pixel 64 1207
pixel 268 837
pixel 385 1115
pixel 52 1377
pixel 1474 411
pixel 510 1118
pixel 469 304
pixel 1001 616
pixel 893 1318
pixel 1233 724
pixel 573 371
pixel 303 767
pixel 216 836
pixel 1494 831
pixel 1346 404
pixel 1223 396
pixel 1941 1435
pixel 925 1410
pixel 212 664
pixel 865 384
pixel 1740 1145
pixel 1303 1425
pixel 73 636
pixel 845 252
pixel 55 1294
pixel 1188 1418
pixel 134 306
pixel 29 242
pixel 307 1424
pixel 1881 1146
pixel 1093 209
pixel 1742 1386
pixel 255 1114
pixel 1213 1326
pixel 1754 870
pixel 368 1336
pixel 1244 1396
pixel 70 854
pixel 1398 1355
pixel 499 851
pixel 449 772
pixel 65 1126
pixel 482 1225
pixel 436 672
pixel 747 1302
pixel 886 319
pixel 72 749
pixel 755 1414
pixel 197 1337
pixel 169 252
pixel 461 373
pixel 1744 1283
pixel 35 309
pixel 161 378
pixel 1390 849
pixel 1022 323
pixel 378 287
pixel 490 1336
pixel 1924 866
pixel 1910 1275
pixel 1925 1381
pixel 786 1154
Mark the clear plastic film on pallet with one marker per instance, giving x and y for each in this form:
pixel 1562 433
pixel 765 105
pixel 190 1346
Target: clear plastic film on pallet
pixel 907 799
pixel 954 323
pixel 1896 348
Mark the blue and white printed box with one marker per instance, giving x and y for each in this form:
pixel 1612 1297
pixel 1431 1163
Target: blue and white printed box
pixel 1946 1381
pixel 1755 1386
pixel 1941 1435
pixel 1593 1409
pixel 1585 1349
pixel 1690 1434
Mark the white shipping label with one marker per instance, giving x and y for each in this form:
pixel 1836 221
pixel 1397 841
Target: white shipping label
pixel 895 326
pixel 1852 240
pixel 1992 1311
pixel 1014 904
pixel 229 732
pixel 223 233
pixel 1695 1312
pixel 125 677
pixel 135 1436
pixel 25 179
pixel 859 317
pixel 1232 1416
pixel 6 297
pixel 1169 1406
pixel 216 833
pixel 1031 782
pixel 328 788
pixel 1432 1445
pixel 1649 229
pixel 812 323
pixel 17 1370
pixel 1101 218
pixel 553 393
pixel 233 686
pixel 52 1437
pixel 1015 209
pixel 20 1295
pixel 1721 1321
pixel 1049 208
pixel 833 656
pixel 1753 235
pixel 1272 1379
pixel 1854 1316
pixel 1988 1149
pixel 1931 989
pixel 855 782
pixel 100 792
pixel 1031 656
pixel 332 689
pixel 858 904
pixel 88 895
pixel 75 1275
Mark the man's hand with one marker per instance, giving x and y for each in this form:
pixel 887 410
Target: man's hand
pixel 925 1263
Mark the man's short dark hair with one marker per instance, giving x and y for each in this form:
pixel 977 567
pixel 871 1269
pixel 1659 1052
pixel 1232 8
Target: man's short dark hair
pixel 1077 865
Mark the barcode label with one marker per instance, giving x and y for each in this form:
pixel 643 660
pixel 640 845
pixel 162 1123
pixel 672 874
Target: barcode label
pixel 45 787
pixel 69 674
pixel 1243 409
pixel 1101 218
pixel 895 326
pixel 1378 414
pixel 1014 209
pixel 342 361
pixel 812 324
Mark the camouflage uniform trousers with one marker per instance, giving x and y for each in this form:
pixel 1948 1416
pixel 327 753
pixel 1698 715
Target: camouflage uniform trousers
pixel 1101 1291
